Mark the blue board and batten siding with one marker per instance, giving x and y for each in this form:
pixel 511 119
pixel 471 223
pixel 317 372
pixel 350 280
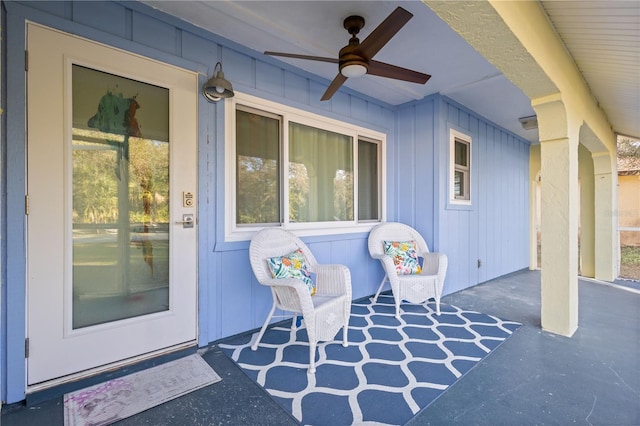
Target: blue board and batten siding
pixel 494 228
pixel 230 300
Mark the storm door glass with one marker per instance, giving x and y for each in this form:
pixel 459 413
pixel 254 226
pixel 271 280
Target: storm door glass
pixel 120 202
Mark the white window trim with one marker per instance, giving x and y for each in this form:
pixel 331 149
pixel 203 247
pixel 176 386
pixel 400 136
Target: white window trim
pixel 243 233
pixel 453 135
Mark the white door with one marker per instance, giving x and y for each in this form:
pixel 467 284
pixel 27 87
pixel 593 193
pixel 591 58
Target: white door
pixel 111 166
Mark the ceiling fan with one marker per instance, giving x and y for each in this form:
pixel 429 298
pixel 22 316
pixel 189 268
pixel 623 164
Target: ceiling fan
pixel 355 59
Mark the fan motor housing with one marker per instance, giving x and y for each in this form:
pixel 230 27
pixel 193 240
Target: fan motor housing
pixel 350 56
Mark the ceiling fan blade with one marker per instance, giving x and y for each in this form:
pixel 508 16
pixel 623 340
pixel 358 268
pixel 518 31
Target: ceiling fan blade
pixel 384 32
pixel 311 58
pixel 391 71
pixel 333 87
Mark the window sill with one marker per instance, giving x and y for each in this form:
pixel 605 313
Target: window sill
pixel 303 230
pixel 459 205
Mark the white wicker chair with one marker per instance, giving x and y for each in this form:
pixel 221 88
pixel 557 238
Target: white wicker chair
pixel 416 288
pixel 325 312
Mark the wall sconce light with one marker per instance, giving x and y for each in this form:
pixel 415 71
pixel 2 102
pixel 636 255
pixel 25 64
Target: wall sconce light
pixel 217 87
pixel 529 123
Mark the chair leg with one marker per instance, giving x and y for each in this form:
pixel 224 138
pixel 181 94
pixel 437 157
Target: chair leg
pixel 397 307
pixel 438 306
pixel 254 345
pixel 345 341
pixel 312 358
pixel 384 279
pixel 294 322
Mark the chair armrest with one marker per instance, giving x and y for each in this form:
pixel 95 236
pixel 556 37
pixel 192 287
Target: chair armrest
pixel 283 282
pixel 378 256
pixel 291 293
pixel 435 264
pixel 333 279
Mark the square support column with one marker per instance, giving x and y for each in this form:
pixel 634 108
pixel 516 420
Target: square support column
pixel 587 215
pixel 606 218
pixel 559 217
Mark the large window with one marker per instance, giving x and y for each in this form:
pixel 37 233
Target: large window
pixel 459 168
pixel 304 172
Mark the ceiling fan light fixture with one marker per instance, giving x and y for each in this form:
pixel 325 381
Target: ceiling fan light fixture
pixel 352 64
pixel 353 70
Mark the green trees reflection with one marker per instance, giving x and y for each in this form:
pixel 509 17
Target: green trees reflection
pixel 97 166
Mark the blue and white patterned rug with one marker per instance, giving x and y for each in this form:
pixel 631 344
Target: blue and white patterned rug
pixel 390 371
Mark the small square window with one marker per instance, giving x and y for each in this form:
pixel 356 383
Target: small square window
pixel 460 168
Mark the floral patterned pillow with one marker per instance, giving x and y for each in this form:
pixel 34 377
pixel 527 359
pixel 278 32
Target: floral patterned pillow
pixel 292 265
pixel 404 256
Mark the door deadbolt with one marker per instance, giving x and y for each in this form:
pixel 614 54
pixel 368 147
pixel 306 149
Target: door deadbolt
pixel 187 199
pixel 187 220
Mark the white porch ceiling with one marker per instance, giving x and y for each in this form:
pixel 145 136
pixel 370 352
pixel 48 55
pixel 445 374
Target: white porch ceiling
pixel 603 36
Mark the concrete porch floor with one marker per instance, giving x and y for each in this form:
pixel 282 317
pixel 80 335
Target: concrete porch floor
pixel 535 377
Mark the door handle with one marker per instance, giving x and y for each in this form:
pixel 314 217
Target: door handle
pixel 187 221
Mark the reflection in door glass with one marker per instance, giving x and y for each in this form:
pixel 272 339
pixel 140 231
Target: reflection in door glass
pixel 120 211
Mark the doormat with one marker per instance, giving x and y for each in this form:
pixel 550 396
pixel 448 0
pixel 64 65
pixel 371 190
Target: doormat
pixel 120 398
pixel 391 370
